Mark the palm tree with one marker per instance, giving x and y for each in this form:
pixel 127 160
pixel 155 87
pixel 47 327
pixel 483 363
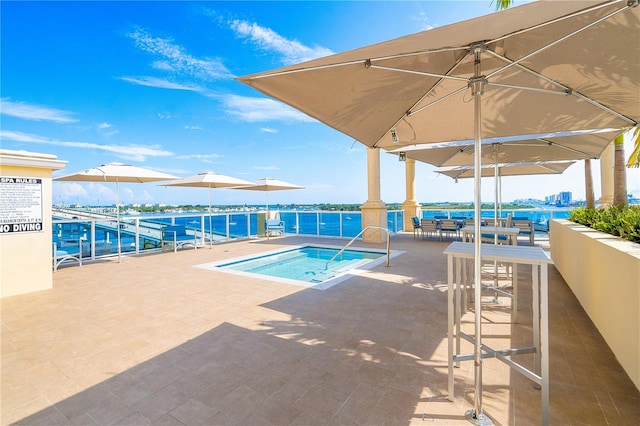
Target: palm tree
pixel 619 174
pixel 588 180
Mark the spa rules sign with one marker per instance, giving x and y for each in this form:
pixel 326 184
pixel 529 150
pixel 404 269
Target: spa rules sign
pixel 20 204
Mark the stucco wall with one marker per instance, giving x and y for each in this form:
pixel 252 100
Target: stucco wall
pixel 26 257
pixel 603 272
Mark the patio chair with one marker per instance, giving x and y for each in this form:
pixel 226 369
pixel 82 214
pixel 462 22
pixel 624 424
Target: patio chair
pixel 428 227
pixel 416 225
pixel 449 227
pixel 502 238
pixel 274 227
pixel 526 229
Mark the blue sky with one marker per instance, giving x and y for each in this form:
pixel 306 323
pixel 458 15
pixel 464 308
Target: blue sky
pixel 153 84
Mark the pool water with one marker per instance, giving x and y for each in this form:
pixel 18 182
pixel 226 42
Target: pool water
pixel 309 265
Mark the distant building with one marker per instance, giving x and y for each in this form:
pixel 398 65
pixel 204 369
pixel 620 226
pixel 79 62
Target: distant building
pixel 562 199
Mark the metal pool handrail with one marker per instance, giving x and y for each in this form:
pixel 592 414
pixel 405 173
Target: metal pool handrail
pixel 354 238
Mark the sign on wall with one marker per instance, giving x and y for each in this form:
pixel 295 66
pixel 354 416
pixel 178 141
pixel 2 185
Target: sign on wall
pixel 20 204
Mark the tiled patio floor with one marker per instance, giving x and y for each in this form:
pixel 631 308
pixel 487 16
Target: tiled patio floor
pixel 155 341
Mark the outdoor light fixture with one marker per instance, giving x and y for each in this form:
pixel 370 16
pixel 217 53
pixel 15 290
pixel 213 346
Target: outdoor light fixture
pixel 394 136
pixel 402 156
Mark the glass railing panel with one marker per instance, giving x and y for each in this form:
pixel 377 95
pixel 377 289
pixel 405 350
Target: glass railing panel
pixel 351 224
pixel 329 224
pixel 238 225
pixel 308 223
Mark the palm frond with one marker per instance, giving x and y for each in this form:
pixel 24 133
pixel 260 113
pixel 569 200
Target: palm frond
pixel 634 158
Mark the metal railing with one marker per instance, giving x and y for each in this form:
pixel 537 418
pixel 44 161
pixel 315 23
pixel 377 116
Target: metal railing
pixel 356 237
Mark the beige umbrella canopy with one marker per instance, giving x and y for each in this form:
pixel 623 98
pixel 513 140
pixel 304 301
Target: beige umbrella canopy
pixel 544 67
pixel 209 180
pixel 579 145
pixel 508 169
pixel 117 172
pixel 541 67
pixel 268 184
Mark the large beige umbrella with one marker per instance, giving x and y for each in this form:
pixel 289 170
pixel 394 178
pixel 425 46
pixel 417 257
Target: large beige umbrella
pixel 508 169
pixel 209 180
pixel 541 67
pixel 497 171
pixel 571 146
pixel 117 172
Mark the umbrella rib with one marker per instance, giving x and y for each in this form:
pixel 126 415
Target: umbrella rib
pixel 359 61
pixel 577 151
pixel 530 89
pixel 422 73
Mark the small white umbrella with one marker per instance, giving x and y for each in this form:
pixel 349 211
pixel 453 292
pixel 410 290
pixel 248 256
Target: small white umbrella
pixel 117 172
pixel 268 184
pixel 209 180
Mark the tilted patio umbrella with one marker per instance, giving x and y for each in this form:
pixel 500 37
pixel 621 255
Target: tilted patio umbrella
pixel 117 172
pixel 209 180
pixel 540 67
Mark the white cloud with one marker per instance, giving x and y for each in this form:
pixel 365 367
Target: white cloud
pixel 173 58
pixel 130 152
pixel 193 127
pixel 261 109
pixel 269 130
pixel 35 112
pixel 266 168
pixel 161 83
pixel 291 51
pixel 205 158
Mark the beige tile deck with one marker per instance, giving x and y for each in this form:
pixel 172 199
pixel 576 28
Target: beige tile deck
pixel 154 340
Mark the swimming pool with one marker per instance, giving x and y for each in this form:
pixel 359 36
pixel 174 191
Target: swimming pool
pixel 308 265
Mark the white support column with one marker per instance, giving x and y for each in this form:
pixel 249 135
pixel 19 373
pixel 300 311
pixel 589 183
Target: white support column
pixel 410 207
pixel 374 210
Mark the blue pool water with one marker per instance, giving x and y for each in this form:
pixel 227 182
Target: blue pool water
pixel 307 265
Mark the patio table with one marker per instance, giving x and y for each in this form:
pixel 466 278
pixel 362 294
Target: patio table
pixel 512 233
pixel 459 253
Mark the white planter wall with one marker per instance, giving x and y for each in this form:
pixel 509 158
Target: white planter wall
pixel 603 271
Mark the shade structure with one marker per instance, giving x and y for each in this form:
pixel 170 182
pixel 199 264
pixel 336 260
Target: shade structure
pixel 497 171
pixel 540 67
pixel 508 169
pixel 117 172
pixel 268 184
pixel 209 180
pixel 579 145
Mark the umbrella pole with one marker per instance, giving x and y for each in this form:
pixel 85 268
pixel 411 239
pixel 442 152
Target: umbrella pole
pixel 476 84
pixel 266 231
pixel 118 219
pixel 210 228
